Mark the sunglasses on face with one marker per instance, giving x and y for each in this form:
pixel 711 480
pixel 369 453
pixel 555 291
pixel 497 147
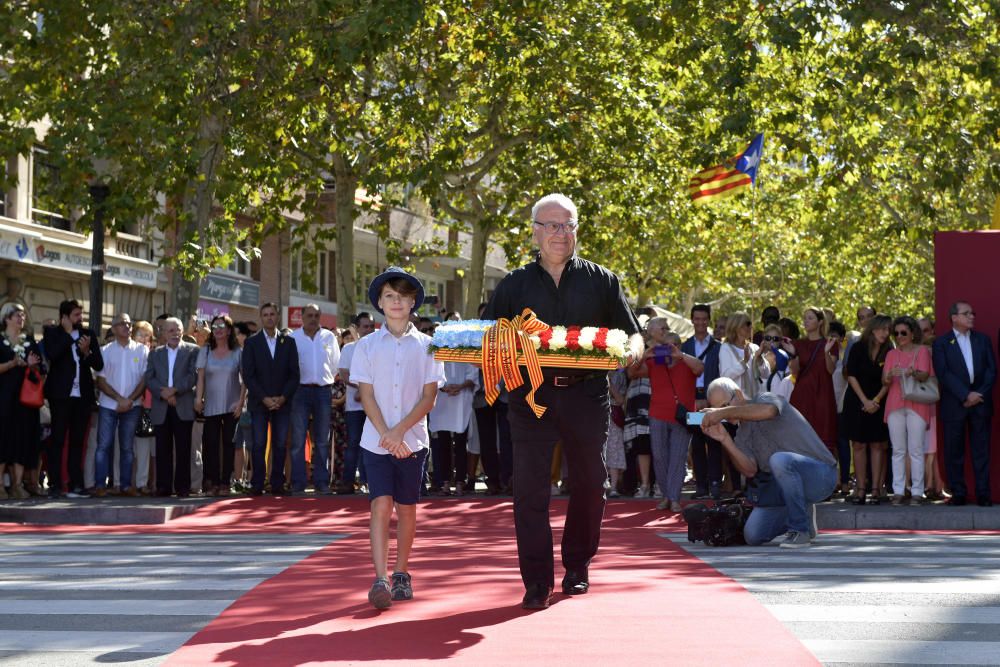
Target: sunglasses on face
pixel 900 332
pixel 219 325
pixel 772 339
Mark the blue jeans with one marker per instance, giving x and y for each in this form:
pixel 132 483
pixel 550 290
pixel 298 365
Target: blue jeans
pixel 355 420
pixel 125 423
pixel 278 420
pixel 311 402
pixel 803 481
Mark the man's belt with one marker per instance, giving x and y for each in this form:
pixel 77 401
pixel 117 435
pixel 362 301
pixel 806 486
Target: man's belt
pixel 570 379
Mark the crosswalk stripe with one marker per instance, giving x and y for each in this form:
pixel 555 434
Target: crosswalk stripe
pixel 69 640
pixel 884 614
pixel 887 651
pixel 182 607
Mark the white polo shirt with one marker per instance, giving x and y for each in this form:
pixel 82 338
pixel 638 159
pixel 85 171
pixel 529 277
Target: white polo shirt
pixel 397 369
pixel 124 367
pixel 318 356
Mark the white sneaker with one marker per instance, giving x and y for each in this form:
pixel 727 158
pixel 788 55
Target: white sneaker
pixel 643 492
pixel 656 491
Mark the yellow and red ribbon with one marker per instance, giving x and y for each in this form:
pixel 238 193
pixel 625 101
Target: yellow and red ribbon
pixel 500 356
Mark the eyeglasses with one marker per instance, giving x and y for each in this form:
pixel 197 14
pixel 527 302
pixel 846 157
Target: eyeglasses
pixel 900 332
pixel 556 227
pixel 219 325
pixel 967 313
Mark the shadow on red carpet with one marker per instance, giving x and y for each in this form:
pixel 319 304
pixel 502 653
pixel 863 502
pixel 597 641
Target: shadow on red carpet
pixel 650 601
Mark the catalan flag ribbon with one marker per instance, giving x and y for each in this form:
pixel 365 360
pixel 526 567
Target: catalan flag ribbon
pixel 726 180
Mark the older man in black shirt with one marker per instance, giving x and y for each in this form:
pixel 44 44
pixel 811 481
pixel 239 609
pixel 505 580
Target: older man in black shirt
pixel 562 289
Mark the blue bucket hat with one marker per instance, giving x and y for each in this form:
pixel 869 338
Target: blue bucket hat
pixel 375 289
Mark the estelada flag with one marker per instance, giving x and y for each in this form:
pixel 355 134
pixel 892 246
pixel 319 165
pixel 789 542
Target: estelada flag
pixel 726 180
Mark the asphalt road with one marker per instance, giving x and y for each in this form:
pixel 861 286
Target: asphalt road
pixel 878 599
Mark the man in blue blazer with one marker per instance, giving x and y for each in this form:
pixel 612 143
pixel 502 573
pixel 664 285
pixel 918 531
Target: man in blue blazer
pixel 270 364
pixel 966 370
pixel 706 453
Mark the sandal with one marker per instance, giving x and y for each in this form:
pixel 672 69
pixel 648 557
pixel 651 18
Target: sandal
pixel 858 500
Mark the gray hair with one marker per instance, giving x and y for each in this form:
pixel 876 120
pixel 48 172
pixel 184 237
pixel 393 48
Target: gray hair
pixel 725 384
pixel 311 306
pixel 175 320
pixel 554 199
pixel 8 311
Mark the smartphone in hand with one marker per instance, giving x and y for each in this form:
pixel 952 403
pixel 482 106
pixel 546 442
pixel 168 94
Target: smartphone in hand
pixel 694 418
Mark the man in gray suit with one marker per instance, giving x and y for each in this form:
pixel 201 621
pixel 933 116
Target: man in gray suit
pixel 171 377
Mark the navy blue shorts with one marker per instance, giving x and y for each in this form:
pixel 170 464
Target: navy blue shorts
pixel 399 478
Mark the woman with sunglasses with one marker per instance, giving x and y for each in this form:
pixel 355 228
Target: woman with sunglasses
pixel 219 395
pixel 908 421
pixel 864 413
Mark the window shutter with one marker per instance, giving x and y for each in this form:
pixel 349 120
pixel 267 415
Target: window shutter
pixel 331 276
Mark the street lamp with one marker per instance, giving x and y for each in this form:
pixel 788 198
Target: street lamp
pixel 98 194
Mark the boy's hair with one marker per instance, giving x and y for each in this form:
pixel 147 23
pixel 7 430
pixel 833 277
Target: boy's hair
pixel 401 286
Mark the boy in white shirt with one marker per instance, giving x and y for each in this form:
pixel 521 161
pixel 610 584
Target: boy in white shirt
pixel 397 382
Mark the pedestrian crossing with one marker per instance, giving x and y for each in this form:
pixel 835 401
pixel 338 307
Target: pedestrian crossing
pixel 877 599
pixel 129 599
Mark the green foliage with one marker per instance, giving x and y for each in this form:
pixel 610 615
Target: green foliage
pixel 881 119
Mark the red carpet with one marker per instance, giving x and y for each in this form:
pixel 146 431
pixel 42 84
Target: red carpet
pixel 650 602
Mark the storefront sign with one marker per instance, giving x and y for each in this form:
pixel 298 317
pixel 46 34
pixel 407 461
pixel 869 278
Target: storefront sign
pixel 33 250
pixel 295 318
pixel 231 290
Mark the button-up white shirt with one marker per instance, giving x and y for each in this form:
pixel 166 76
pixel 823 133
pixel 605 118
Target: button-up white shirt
pixel 124 368
pixel 318 356
pixel 965 345
pixel 397 369
pixel 353 402
pixel 699 347
pixel 171 361
pixel 272 343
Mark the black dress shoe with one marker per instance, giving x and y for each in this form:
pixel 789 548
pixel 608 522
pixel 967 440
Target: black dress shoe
pixel 536 597
pixel 576 582
pixel 985 502
pixel 957 501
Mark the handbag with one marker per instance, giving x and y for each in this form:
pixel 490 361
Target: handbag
pixel 32 389
pixel 919 392
pixel 763 490
pixel 144 427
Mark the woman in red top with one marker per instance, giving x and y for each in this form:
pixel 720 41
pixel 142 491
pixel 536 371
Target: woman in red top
pixel 672 378
pixel 813 365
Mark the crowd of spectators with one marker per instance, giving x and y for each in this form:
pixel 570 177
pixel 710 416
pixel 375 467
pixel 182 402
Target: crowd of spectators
pixel 221 407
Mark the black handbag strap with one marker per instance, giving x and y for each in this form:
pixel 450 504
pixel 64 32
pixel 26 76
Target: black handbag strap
pixel 704 353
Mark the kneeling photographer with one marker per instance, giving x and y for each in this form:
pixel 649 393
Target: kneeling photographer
pixel 775 445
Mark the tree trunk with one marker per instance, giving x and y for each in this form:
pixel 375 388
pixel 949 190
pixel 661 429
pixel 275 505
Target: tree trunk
pixel 196 207
pixel 346 185
pixel 482 230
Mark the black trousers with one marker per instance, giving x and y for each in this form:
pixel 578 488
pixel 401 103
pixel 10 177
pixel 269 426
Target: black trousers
pixel 448 453
pixel 173 440
pixel 978 428
pixel 217 448
pixel 494 444
pixel 69 415
pixel 706 457
pixel 578 417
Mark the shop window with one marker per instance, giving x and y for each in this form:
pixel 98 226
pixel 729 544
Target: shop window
pixel 310 278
